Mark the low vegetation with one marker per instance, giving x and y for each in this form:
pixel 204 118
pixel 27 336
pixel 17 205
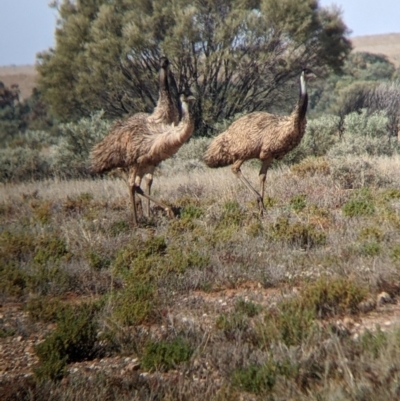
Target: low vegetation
pixel 233 304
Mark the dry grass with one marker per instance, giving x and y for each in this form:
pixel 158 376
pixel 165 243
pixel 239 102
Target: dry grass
pixel 217 303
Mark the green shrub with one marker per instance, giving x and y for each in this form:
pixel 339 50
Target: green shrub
pixel 97 261
pixel 118 227
pixel 74 339
pixel 291 323
pixel 373 342
pixel 232 324
pixel 298 202
pixel 297 234
pixel 248 308
pixel 23 164
pixel 48 249
pixel 191 212
pixel 232 215
pixel 71 156
pixel 319 137
pixel 13 280
pixel 136 303
pixel 256 379
pixel 333 296
pixel 45 309
pixel 166 355
pixel 360 205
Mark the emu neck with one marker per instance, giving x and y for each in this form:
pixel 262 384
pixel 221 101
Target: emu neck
pixel 303 99
pixel 164 87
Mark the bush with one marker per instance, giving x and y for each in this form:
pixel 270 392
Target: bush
pixel 361 204
pixel 73 340
pixel 166 355
pixel 365 134
pixel 296 234
pixel 356 172
pixel 23 164
pixel 71 158
pixel 319 137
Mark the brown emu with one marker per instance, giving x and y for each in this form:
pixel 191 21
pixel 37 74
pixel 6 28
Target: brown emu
pixel 260 135
pixel 139 145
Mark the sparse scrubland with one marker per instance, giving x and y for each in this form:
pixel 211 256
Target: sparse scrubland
pixel 218 303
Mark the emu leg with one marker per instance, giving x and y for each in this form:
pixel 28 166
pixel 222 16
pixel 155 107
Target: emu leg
pixel 148 181
pixel 262 176
pixel 169 211
pixel 236 170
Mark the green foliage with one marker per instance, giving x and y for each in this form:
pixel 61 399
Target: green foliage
pixel 136 303
pixel 292 323
pixel 361 204
pixel 49 249
pixel 13 280
pixel 73 340
pixel 118 227
pixel 97 261
pixel 71 156
pixel 23 164
pixel 319 137
pixel 45 309
pixel 298 202
pixel 329 297
pixel 232 324
pixel 191 212
pixel 256 379
pixel 166 355
pixel 248 308
pixel 296 234
pixel 105 61
pixel 373 342
pixel 232 215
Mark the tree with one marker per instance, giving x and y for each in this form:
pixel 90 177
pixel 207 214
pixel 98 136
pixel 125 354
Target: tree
pixel 238 55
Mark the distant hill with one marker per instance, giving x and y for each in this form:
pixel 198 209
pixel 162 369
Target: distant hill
pixel 23 75
pixel 387 44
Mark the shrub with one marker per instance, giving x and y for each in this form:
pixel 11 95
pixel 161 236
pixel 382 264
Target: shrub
pixel 135 304
pixel 361 204
pixel 248 308
pixel 355 172
pixel 259 379
pixel 71 156
pixel 73 340
pixel 297 234
pixel 298 202
pixel 166 355
pixel 232 324
pixel 311 166
pixel 319 137
pixel 333 296
pixel 23 164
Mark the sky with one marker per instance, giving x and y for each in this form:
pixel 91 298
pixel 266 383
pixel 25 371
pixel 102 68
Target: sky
pixel 27 26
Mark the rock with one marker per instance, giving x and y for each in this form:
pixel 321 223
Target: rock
pixel 383 298
pixel 367 305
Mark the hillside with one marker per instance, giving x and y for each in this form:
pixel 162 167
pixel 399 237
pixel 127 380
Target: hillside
pixel 387 44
